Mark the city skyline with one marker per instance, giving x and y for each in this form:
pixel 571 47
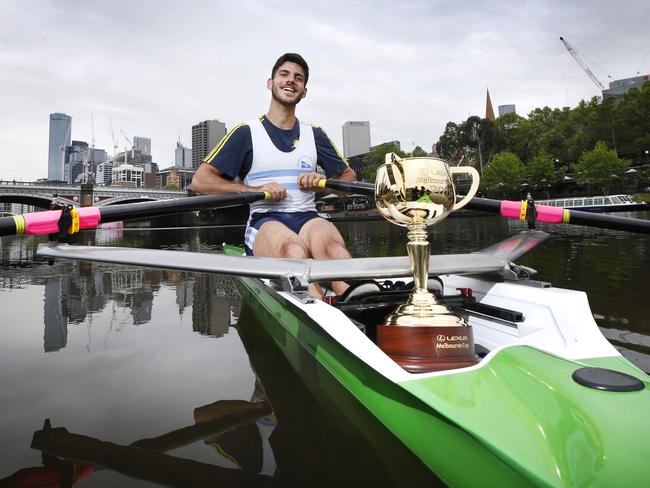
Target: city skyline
pixel 159 72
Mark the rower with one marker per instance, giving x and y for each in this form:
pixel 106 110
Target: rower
pixel 279 154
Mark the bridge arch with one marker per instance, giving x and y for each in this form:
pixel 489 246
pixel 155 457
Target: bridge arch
pixel 124 199
pixel 39 201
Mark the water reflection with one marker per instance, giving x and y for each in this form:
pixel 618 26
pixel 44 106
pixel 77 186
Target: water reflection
pixel 68 458
pixel 131 359
pixel 75 291
pixel 291 433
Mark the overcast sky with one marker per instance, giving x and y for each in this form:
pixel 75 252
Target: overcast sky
pixel 157 67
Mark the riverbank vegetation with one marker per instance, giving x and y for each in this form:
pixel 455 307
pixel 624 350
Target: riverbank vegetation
pixel 592 144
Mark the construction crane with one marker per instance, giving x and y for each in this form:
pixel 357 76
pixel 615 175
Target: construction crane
pixel 113 137
pixel 582 64
pixel 638 72
pixel 128 140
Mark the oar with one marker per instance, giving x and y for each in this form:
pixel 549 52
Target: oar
pixel 517 210
pixel 558 215
pixel 47 222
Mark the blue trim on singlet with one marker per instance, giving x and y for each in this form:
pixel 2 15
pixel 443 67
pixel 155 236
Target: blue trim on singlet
pixel 276 173
pixel 236 155
pixel 293 220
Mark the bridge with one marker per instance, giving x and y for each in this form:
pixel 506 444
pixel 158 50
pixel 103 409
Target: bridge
pixel 42 194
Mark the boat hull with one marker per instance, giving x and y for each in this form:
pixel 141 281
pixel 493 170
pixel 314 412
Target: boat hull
pixel 516 420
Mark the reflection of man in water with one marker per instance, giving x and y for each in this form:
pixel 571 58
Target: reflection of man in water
pixel 246 446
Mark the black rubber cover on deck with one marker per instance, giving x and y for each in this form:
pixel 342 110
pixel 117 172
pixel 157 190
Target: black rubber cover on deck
pixel 607 380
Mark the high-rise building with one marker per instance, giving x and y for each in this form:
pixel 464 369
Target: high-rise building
pixel 80 159
pixel 76 154
pixel 618 88
pixel 104 174
pixel 95 158
pixel 178 177
pixel 205 135
pixel 356 138
pixel 183 156
pixel 150 175
pixel 507 109
pixel 127 175
pixel 142 144
pixel 60 136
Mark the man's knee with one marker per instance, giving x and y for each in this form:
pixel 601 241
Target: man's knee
pixel 294 249
pixel 336 249
pixel 331 246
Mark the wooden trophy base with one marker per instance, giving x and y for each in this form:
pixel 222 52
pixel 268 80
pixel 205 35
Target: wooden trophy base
pixel 426 349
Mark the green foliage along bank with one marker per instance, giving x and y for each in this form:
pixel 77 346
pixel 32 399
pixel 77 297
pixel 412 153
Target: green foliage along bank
pixel 593 143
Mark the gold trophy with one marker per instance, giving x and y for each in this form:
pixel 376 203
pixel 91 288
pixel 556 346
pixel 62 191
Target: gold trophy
pixel 422 335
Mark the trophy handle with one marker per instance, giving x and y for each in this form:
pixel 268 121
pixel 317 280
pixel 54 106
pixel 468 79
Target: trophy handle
pixel 472 191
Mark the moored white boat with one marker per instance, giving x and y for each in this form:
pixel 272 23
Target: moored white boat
pixel 607 203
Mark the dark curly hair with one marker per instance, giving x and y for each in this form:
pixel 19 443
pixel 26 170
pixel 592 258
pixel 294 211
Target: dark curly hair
pixel 291 58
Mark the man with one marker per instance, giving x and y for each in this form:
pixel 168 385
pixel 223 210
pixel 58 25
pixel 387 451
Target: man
pixel 277 153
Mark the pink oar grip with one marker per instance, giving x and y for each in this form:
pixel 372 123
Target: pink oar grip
pixel 510 210
pixel 545 213
pixel 552 215
pixel 39 223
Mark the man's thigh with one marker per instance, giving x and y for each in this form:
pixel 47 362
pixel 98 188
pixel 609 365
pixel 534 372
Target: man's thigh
pixel 320 237
pixel 272 239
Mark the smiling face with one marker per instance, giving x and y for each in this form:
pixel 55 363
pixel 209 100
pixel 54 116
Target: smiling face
pixel 288 85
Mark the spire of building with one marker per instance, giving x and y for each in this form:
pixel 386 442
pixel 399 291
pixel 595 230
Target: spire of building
pixel 489 111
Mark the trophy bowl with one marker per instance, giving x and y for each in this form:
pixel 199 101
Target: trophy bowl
pixel 414 189
pixel 422 335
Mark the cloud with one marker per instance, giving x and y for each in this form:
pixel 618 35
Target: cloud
pixel 157 68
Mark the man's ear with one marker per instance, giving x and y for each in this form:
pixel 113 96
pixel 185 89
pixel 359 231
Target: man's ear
pixel 269 84
pixel 304 92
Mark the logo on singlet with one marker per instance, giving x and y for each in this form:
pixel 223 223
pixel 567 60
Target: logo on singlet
pixel 305 162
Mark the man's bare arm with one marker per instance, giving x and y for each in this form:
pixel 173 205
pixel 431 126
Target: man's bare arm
pixel 208 181
pixel 309 181
pixel 347 174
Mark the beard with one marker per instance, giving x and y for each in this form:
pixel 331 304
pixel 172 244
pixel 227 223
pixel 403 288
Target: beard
pixel 275 93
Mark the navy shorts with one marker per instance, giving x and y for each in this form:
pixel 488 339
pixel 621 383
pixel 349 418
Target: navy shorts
pixel 293 220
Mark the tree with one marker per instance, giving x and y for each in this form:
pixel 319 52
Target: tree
pixel 375 158
pixel 563 133
pixel 448 145
pixel 541 171
pixel 504 173
pixel 600 166
pixel 418 152
pixel 470 141
pixel 513 133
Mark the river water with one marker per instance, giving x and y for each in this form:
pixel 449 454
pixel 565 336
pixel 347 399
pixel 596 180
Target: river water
pixel 145 380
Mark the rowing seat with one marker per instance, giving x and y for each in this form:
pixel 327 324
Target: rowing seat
pixel 359 291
